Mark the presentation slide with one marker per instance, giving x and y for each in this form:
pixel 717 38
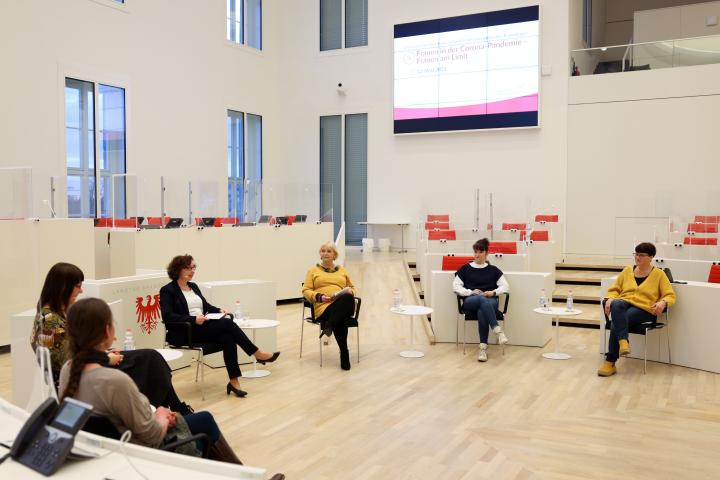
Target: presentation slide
pixel 471 72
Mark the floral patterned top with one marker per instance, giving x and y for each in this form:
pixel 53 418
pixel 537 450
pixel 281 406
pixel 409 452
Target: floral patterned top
pixel 49 331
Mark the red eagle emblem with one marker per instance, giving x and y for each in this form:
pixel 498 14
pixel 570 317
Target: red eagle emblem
pixel 148 315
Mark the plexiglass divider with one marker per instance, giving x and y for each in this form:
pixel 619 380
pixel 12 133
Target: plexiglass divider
pixel 204 201
pixel 16 193
pixel 300 202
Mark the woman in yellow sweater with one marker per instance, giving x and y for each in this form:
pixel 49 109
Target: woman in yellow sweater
pixel 640 293
pixel 329 288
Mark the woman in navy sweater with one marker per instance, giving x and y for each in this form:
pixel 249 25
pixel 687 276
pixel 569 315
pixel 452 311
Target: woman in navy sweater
pixel 481 283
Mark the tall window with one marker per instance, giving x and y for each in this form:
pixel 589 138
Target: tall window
pixel 343 173
pixel 93 154
pixel 244 22
pixel 333 30
pixel 244 165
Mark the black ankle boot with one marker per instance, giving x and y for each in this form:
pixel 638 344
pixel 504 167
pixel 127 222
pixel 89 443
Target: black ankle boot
pixel 345 359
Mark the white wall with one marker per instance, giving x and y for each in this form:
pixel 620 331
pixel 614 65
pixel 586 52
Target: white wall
pixel 180 74
pixel 675 22
pixel 640 144
pixel 409 175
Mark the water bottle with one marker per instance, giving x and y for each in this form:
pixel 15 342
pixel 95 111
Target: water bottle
pixel 544 300
pixel 569 302
pixel 129 342
pixel 397 300
pixel 238 312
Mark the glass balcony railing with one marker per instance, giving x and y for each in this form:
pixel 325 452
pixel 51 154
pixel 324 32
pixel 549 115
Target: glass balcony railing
pixel 682 52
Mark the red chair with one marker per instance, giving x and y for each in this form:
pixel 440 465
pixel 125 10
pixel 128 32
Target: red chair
pixel 714 276
pixel 503 247
pixel 514 226
pixel 441 235
pixel 103 222
pixel 453 264
pixel 220 221
pixel 124 223
pixel 707 219
pixel 547 218
pixel 437 226
pixel 702 227
pixel 438 218
pixel 157 220
pixel 700 241
pixel 540 236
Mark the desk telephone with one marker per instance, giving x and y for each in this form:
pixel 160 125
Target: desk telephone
pixel 48 435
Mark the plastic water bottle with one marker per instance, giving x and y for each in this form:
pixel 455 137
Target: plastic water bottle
pixel 129 342
pixel 569 302
pixel 544 300
pixel 397 300
pixel 238 312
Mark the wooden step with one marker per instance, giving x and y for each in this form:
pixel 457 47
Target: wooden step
pixel 580 292
pixel 595 266
pixel 592 277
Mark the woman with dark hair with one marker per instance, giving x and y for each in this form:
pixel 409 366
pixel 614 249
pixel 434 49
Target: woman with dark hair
pixel 90 333
pixel 146 367
pixel 329 288
pixel 182 301
pixel 480 283
pixel 640 293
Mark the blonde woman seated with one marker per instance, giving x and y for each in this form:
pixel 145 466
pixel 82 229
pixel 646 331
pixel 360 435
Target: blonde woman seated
pixel 329 288
pixel 640 293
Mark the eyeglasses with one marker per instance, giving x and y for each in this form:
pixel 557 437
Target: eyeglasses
pixel 640 254
pixel 192 267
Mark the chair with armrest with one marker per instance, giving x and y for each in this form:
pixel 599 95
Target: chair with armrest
pixel 101 425
pixel 640 329
pixel 714 274
pixel 178 335
pixel 307 305
pixel 462 319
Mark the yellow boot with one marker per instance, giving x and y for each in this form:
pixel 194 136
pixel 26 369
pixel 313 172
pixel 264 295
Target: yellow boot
pixel 624 347
pixel 607 369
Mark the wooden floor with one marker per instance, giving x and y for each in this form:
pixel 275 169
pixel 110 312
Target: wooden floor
pixel 446 416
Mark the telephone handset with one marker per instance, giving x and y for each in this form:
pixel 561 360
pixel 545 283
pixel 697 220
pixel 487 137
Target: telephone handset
pixel 48 435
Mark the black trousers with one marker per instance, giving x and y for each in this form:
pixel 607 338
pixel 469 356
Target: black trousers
pixel 226 333
pixel 152 375
pixel 337 315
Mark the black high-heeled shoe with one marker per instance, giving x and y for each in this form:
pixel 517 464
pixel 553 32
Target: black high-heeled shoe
pixel 236 391
pixel 274 357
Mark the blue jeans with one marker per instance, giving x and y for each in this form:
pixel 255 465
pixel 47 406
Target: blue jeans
pixel 624 316
pixel 483 309
pixel 203 422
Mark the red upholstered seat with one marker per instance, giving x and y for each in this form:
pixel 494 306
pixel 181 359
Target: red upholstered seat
pixel 454 263
pixel 503 247
pixel 438 218
pixel 514 226
pixel 547 218
pixel 157 220
pixel 103 222
pixel 540 236
pixel 707 219
pixel 700 241
pixel 713 277
pixel 124 223
pixel 702 227
pixel 437 226
pixel 220 221
pixel 441 235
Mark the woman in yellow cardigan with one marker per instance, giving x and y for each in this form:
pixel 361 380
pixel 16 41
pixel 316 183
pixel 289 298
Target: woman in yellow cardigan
pixel 640 293
pixel 329 288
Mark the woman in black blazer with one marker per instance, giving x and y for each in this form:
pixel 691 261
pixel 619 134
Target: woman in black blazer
pixel 181 301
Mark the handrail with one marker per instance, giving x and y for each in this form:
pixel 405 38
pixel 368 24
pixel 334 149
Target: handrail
pixel 644 43
pixel 627 51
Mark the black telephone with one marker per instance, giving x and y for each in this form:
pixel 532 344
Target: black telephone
pixel 48 435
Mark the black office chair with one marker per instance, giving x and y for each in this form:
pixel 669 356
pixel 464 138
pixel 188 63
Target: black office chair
pixel 101 425
pixel 499 315
pixel 178 335
pixel 640 329
pixel 314 321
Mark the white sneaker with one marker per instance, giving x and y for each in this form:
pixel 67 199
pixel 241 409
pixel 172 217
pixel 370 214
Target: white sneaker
pixel 482 354
pixel 502 339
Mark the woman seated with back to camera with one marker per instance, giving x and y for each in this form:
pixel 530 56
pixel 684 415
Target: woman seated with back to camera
pixel 480 283
pixel 146 366
pixel 90 333
pixel 182 301
pixel 640 293
pixel 329 288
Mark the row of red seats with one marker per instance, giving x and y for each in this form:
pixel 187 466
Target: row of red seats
pixel 442 222
pixel 700 241
pixel 535 235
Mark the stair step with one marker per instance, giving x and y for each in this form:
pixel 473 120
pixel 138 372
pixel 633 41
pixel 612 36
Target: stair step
pixel 592 277
pixel 589 267
pixel 580 292
pixel 416 277
pixel 411 265
pixel 590 315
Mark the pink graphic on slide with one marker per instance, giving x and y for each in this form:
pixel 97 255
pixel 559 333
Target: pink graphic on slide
pixel 528 103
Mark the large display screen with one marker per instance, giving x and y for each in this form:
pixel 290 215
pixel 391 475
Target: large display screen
pixel 464 73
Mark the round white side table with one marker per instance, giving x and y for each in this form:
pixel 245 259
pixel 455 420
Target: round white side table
pixel 556 313
pixel 256 324
pixel 412 311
